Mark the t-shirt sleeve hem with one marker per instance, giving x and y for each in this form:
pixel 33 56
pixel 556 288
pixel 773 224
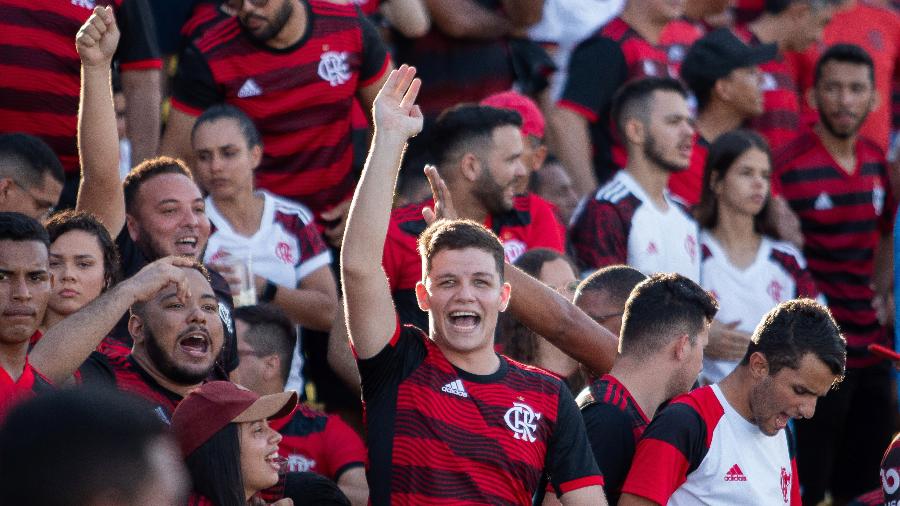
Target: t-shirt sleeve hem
pixel 578 483
pixel 346 467
pixel 151 64
pixel 578 109
pixel 374 79
pixel 307 267
pixel 185 108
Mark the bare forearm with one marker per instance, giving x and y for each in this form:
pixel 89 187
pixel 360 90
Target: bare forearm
pixel 467 19
pixel 98 145
pixel 566 326
pixel 142 99
pixel 309 308
pixel 68 344
pixel 370 211
pixel 409 17
pixel 340 358
pixel 575 149
pixel 354 487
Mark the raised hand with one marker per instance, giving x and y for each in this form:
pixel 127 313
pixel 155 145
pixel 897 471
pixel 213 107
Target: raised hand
pixel 158 275
pixel 98 38
pixel 394 110
pixel 443 202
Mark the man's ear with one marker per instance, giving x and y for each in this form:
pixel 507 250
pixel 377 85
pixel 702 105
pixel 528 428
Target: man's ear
pixel 6 185
pixel 272 367
pixel 759 366
pixel 136 327
pixel 635 131
pixel 811 98
pixel 133 229
pixel 505 293
pixel 470 167
pixel 422 296
pixel 682 347
pixel 540 156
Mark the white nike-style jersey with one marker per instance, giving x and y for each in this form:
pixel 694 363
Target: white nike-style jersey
pixel 621 225
pixel 745 295
pixel 700 450
pixel 286 248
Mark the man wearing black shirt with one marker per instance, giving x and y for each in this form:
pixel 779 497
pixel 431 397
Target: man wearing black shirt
pixel 664 330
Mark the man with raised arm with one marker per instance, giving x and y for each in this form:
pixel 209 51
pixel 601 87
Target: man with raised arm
pixel 447 417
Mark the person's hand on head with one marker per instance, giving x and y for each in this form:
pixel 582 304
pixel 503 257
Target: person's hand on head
pixel 158 275
pixel 98 38
pixel 394 110
pixel 726 343
pixel 443 202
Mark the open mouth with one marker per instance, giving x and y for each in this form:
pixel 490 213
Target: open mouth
pixel 464 321
pixel 195 344
pixel 275 460
pixel 188 244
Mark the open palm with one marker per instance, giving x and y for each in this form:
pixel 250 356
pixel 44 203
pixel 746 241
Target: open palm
pixel 394 109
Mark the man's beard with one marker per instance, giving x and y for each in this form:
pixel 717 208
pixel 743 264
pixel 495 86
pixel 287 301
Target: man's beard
pixel 152 252
pixel 275 25
pixel 489 193
pixel 841 135
pixel 168 368
pixel 652 153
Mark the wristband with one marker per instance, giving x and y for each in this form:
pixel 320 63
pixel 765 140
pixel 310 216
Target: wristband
pixel 268 294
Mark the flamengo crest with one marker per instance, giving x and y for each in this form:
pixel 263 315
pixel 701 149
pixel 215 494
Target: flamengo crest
pixel 333 67
pixel 521 419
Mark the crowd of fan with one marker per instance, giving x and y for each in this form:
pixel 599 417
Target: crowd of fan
pixel 651 240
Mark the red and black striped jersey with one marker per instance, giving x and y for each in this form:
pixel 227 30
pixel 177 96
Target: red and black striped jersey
pixel 318 442
pixel 614 423
pixel 623 54
pixel 455 70
pixel 439 434
pixel 843 217
pixel 780 121
pixel 700 450
pixel 119 369
pixel 30 382
pixel 299 97
pixel 40 72
pixel 527 226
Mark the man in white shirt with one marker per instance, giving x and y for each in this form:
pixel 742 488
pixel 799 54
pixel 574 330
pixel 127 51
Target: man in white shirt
pixel 632 219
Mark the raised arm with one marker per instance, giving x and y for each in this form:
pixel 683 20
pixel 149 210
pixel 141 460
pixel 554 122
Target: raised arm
pixel 66 345
pixel 101 189
pixel 371 317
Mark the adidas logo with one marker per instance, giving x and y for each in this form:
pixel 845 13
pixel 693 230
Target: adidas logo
pixel 249 89
pixel 456 388
pixel 735 474
pixel 823 202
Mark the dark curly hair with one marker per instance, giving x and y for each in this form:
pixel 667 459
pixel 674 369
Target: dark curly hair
pixel 69 220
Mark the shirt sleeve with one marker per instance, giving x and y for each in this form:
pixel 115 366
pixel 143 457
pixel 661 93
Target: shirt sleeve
pixel 96 371
pixel 382 373
pixel 889 207
pixel 598 236
pixel 673 445
pixel 194 88
pixel 544 227
pixel 570 462
pixel 138 46
pixel 375 58
pixel 229 359
pixel 314 253
pixel 345 448
pixel 612 440
pixel 589 91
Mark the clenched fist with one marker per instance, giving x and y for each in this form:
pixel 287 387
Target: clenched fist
pixel 98 38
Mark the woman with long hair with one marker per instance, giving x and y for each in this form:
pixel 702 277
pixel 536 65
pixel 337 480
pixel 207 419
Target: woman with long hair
pixel 520 343
pixel 230 451
pixel 84 262
pixel 742 264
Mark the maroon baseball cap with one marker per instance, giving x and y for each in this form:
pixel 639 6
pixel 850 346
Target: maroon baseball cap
pixel 214 405
pixel 532 119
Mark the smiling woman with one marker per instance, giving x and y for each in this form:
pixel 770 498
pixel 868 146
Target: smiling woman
pixel 84 262
pixel 229 448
